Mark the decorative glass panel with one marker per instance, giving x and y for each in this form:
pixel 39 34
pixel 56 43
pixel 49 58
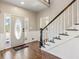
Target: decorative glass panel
pixel 18 29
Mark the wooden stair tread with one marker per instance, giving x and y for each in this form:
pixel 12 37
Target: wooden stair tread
pixel 64 34
pixel 52 41
pixel 77 36
pixel 57 38
pixel 72 29
pixel 76 23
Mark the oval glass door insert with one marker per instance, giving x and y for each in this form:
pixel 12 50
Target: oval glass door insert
pixel 18 29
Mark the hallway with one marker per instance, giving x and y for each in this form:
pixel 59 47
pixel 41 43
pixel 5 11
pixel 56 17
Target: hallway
pixel 39 29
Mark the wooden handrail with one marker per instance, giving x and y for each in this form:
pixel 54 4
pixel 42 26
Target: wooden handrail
pixel 59 14
pixel 41 30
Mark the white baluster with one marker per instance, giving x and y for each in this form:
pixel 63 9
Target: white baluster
pixel 73 9
pixel 77 12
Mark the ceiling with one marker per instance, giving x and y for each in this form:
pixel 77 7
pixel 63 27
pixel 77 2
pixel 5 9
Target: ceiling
pixel 33 5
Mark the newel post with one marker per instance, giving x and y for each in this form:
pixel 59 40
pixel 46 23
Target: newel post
pixel 41 35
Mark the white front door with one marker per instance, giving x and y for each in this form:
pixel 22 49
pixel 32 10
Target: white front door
pixel 17 31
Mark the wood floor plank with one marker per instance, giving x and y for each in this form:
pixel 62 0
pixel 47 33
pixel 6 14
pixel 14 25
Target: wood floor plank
pixel 31 52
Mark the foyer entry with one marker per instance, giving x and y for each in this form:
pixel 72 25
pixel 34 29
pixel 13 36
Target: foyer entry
pixel 13 30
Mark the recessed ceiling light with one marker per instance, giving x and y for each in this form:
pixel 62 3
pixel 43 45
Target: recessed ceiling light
pixel 22 3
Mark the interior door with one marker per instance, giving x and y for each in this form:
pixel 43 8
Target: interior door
pixel 17 31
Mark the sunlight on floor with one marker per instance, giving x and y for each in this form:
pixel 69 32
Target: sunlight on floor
pixel 21 54
pixel 8 55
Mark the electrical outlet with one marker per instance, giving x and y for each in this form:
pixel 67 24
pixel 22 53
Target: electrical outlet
pixel 33 38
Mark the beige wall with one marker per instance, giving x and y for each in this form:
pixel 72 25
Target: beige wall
pixel 11 9
pixel 53 10
pixel 14 10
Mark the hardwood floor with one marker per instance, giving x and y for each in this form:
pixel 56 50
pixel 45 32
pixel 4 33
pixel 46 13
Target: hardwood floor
pixel 31 52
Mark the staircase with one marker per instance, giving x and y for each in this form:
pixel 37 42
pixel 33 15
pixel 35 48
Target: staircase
pixel 64 27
